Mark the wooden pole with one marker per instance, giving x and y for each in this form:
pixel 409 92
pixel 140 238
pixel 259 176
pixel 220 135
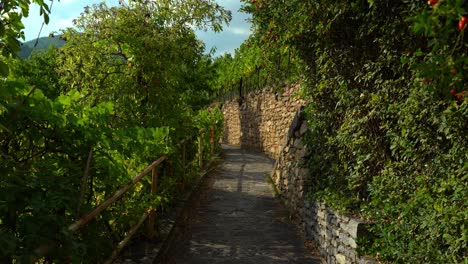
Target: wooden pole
pixel 152 214
pixel 212 142
pixel 83 184
pixel 96 211
pixel 200 150
pixel 240 88
pixel 258 78
pixel 289 63
pixel 184 159
pixel 125 241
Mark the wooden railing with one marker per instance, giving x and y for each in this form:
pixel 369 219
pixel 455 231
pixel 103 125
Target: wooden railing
pixel 150 214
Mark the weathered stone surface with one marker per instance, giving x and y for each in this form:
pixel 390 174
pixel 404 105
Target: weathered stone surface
pixel 261 122
pixel 298 144
pixel 368 260
pixel 347 240
pixel 340 259
pixel 351 227
pixel 304 128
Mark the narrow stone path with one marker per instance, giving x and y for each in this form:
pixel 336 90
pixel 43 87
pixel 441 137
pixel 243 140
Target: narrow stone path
pixel 241 221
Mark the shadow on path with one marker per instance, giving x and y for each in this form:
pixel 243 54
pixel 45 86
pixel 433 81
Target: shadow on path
pixel 240 220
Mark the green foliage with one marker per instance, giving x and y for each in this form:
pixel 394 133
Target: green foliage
pixel 44 159
pixel 262 60
pixel 207 121
pixel 160 68
pixel 119 93
pixel 388 136
pixel 11 13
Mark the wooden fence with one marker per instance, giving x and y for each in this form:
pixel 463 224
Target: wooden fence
pixel 150 214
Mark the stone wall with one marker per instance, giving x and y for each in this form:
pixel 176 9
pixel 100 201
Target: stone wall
pixel 260 121
pixel 276 125
pixel 291 175
pixel 334 235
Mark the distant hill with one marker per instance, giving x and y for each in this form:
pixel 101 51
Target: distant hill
pixel 43 43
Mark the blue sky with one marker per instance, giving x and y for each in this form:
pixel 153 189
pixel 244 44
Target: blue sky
pixel 65 11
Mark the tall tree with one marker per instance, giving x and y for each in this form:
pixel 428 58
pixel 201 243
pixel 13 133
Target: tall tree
pixel 142 55
pixel 11 27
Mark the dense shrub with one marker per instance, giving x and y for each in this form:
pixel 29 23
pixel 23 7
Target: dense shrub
pixel 388 111
pixel 119 95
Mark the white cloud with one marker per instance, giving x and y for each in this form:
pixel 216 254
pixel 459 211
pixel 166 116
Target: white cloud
pixel 243 31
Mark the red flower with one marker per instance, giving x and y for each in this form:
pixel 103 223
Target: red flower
pixel 432 2
pixel 462 23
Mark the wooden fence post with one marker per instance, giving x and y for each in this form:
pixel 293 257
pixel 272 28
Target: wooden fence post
pixel 200 150
pixel 240 88
pixel 258 78
pixel 184 158
pixel 152 214
pixel 289 64
pixel 212 142
pixel 83 184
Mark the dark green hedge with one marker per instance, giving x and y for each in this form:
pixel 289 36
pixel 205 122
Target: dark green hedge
pixel 389 116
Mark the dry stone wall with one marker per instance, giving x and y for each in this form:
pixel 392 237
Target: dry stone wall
pixel 291 175
pixel 260 121
pixel 335 235
pixel 276 125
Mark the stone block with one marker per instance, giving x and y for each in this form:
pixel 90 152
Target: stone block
pixel 334 243
pixel 332 219
pixel 300 154
pixel 340 259
pixel 348 241
pixel 335 232
pixel 341 249
pixel 304 127
pixel 298 144
pixel 351 227
pixel 322 233
pixel 350 254
pixel 344 219
pixel 321 214
pixel 368 260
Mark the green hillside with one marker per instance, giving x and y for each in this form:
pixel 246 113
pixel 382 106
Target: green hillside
pixel 43 43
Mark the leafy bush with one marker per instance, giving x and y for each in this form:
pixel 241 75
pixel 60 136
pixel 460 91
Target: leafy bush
pixel 388 116
pixel 44 151
pixel 259 62
pixel 210 123
pixel 118 95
